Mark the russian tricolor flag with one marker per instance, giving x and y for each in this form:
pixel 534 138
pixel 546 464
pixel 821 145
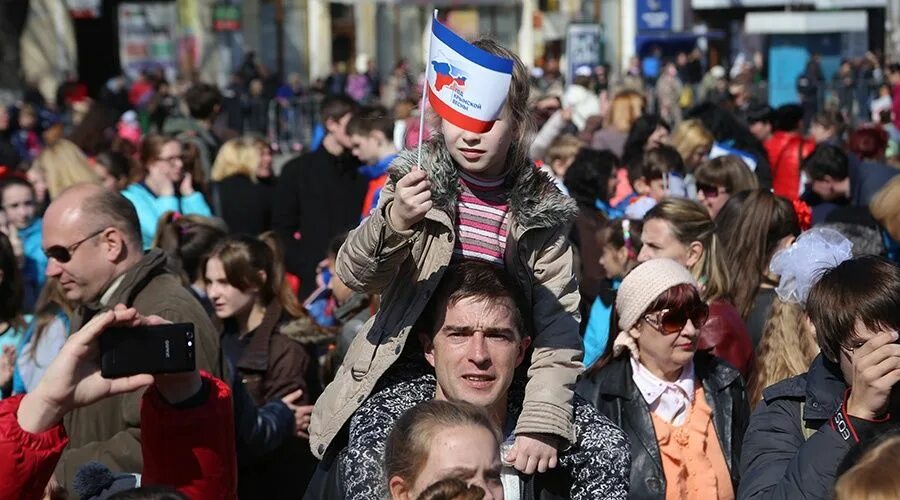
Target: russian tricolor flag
pixel 466 85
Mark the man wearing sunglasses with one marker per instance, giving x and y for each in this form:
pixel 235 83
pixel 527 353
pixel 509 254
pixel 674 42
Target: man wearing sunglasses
pixel 802 430
pixel 93 245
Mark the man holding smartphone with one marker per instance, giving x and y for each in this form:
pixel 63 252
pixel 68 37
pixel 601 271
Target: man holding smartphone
pixel 804 427
pixel 93 244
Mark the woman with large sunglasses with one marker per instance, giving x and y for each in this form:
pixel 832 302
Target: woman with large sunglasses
pixel 684 410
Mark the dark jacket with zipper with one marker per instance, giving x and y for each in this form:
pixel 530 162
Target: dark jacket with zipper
pixel 614 393
pixel 793 447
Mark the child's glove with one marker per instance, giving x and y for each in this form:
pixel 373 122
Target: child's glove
pixel 412 200
pixel 533 453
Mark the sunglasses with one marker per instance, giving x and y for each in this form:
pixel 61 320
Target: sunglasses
pixel 708 190
pixel 672 321
pixel 64 254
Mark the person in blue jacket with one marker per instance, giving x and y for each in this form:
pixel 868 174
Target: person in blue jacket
pixel 164 186
pixel 17 200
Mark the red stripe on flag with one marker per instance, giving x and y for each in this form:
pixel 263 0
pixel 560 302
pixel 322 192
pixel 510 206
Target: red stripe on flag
pixel 455 117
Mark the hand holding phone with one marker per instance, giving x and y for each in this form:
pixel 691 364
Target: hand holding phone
pixel 73 379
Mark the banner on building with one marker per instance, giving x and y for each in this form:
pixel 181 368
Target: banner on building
pixel 467 86
pixel 147 37
pixel 84 9
pixel 226 17
pixel 654 15
pixel 584 48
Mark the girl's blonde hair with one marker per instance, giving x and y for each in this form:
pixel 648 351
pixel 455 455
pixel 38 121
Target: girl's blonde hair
pixel 688 136
pixel 626 107
pixel 64 165
pixel 868 479
pixel 409 442
pixel 239 156
pixel 786 349
pixel 885 207
pixel 690 222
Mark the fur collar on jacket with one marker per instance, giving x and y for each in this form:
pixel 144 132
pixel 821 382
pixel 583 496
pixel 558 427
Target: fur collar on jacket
pixel 534 200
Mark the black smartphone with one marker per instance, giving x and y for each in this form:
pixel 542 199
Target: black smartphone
pixel 147 349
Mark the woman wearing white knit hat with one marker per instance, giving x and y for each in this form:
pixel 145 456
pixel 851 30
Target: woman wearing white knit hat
pixel 684 410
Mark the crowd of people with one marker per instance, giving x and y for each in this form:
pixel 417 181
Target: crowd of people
pixel 616 291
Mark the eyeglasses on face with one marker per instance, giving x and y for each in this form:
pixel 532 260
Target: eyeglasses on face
pixel 672 321
pixel 171 159
pixel 63 254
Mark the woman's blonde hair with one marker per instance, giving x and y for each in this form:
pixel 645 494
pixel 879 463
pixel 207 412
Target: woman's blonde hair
pixel 239 156
pixel 688 136
pixel 885 207
pixel 729 172
pixel 786 349
pixel 409 442
pixel 626 107
pixel 690 222
pixel 64 165
pixel 869 478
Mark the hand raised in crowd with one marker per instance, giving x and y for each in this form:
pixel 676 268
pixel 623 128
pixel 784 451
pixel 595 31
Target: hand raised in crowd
pixel 186 187
pixel 533 453
pixel 157 181
pixel 876 369
pixel 302 413
pixel 73 379
pixel 412 200
pixel 7 364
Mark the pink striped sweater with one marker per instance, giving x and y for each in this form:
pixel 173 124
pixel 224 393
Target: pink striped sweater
pixel 482 219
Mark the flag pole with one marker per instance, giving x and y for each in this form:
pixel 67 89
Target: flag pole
pixel 424 94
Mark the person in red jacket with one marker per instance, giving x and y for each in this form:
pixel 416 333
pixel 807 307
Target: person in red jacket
pixel 786 149
pixel 187 421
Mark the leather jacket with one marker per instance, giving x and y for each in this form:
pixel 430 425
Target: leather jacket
pixel 612 390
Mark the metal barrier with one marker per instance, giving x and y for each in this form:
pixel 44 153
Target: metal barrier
pixel 291 122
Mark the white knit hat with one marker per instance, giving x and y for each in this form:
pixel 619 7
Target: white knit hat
pixel 644 284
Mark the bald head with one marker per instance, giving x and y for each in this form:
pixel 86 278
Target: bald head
pixel 89 204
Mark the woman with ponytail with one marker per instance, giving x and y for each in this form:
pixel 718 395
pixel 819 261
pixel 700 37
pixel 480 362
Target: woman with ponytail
pixel 682 230
pixel 271 342
pixel 766 223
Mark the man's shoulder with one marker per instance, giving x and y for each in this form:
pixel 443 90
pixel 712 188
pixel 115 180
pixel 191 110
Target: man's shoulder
pixel 164 294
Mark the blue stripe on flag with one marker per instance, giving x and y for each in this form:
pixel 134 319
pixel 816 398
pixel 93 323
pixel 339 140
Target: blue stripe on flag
pixel 469 51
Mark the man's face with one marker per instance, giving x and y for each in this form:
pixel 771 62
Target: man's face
pixel 91 263
pixel 761 130
pixel 366 148
pixel 475 352
pixel 825 188
pixel 339 130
